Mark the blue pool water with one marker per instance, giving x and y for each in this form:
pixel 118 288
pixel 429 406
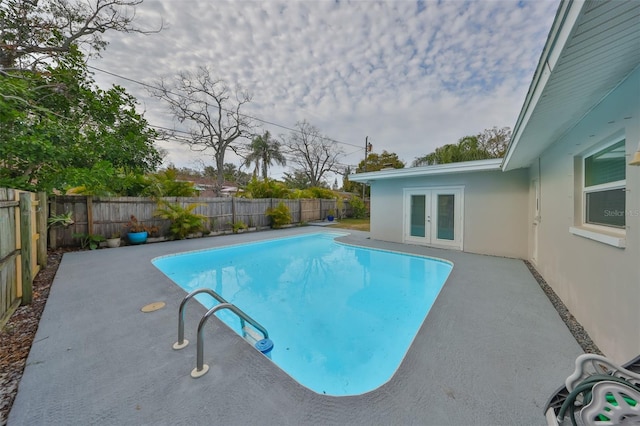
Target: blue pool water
pixel 341 317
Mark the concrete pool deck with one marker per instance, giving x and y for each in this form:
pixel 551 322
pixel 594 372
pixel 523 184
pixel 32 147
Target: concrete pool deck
pixel 490 352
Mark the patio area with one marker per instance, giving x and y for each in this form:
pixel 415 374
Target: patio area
pixel 491 351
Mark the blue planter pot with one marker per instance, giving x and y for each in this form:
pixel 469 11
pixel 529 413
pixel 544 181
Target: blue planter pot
pixel 330 218
pixel 137 237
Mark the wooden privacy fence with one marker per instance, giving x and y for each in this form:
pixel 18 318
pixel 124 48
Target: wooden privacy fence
pixel 23 246
pixel 106 216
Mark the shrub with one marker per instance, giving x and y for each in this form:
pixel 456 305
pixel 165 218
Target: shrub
pixel 313 192
pixel 63 219
pixel 318 192
pixel 358 207
pixel 340 207
pixel 103 179
pixel 183 220
pixel 165 184
pixel 89 241
pixel 279 215
pixel 267 188
pixel 136 226
pixel 238 226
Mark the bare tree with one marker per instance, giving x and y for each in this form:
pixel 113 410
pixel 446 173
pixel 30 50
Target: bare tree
pixel 314 153
pixel 33 31
pixel 212 112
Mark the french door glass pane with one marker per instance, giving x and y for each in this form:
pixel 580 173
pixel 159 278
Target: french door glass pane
pixel 446 217
pixel 418 211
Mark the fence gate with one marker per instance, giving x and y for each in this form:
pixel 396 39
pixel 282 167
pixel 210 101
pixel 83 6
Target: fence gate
pixel 23 247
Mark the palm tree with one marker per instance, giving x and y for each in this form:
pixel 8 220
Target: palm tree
pixel 467 149
pixel 264 153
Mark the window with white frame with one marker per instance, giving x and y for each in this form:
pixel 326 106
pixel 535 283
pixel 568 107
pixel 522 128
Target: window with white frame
pixel 604 186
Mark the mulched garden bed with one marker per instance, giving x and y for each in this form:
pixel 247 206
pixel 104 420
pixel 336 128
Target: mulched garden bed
pixel 573 325
pixel 17 335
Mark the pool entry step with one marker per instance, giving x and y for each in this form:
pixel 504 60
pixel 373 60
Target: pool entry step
pixel 264 344
pixel 250 334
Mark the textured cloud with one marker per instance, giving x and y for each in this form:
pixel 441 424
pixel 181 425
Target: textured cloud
pixel 410 75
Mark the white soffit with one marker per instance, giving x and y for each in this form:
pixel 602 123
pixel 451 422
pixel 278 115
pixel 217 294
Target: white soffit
pixel 593 47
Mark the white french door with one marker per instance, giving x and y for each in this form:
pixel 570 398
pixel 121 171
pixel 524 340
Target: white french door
pixel 434 216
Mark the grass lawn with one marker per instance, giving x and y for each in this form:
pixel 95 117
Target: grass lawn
pixel 357 224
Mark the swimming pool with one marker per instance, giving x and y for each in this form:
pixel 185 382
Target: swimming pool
pixel 341 317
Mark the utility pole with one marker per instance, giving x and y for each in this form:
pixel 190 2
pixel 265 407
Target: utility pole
pixel 367 148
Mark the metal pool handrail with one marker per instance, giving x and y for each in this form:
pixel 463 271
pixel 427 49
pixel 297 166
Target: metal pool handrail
pixel 181 343
pixel 201 368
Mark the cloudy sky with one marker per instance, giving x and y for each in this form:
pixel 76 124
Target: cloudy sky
pixel 410 75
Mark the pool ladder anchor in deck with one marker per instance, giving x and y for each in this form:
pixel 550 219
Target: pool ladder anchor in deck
pixel 265 345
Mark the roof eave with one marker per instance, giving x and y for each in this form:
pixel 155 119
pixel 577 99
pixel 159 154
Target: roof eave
pixel 563 25
pixel 493 164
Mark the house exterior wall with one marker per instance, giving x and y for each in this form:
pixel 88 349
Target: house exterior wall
pixel 599 283
pixel 495 209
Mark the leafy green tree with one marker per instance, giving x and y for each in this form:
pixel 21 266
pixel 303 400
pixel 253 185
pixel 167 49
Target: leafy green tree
pixel 297 180
pixel 264 153
pixel 313 192
pixel 230 172
pixel 495 141
pixel 267 188
pixel 373 163
pixel 347 185
pixel 35 33
pixel 467 149
pixel 60 120
pixel 376 162
pixel 491 143
pixel 358 207
pixel 55 124
pixel 104 180
pixel 186 171
pixel 166 184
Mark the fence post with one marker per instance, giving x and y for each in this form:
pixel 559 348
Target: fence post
pixel 25 247
pixel 42 213
pixel 53 235
pixel 89 215
pixel 233 211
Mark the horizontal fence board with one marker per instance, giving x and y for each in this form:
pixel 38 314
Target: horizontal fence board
pixel 7 223
pixel 4 204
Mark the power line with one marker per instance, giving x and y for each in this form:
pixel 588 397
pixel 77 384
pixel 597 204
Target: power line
pixel 223 109
pixel 181 139
pixel 290 157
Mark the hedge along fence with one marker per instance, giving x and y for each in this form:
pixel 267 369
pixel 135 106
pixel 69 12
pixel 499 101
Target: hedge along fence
pixel 23 246
pixel 107 216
